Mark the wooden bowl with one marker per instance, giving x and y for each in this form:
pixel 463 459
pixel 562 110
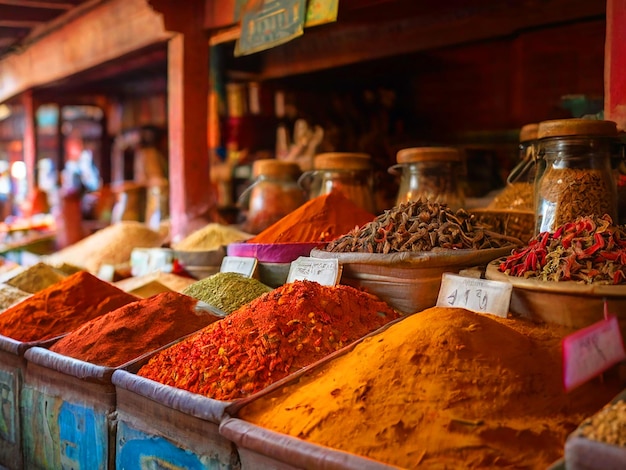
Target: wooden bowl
pixel 408 282
pixel 568 303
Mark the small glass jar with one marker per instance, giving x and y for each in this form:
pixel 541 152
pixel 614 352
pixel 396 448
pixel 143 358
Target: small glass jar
pixel 273 194
pixel 349 173
pixel 430 173
pixel 574 176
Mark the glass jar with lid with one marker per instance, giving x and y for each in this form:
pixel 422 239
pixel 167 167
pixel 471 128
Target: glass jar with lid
pixel 273 194
pixel 430 173
pixel 574 175
pixel 349 173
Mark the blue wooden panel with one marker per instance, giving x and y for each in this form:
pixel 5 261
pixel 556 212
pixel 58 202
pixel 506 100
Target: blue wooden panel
pixel 137 450
pixel 8 406
pixel 59 434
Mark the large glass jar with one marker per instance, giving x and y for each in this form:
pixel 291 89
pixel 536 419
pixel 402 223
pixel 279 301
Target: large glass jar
pixel 348 173
pixel 273 194
pixel 430 173
pixel 574 176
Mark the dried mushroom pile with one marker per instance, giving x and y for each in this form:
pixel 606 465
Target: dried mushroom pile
pixel 589 250
pixel 420 226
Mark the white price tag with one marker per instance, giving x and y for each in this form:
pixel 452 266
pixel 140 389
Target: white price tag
pixel 478 295
pixel 243 265
pixel 106 272
pixel 323 271
pixel 591 351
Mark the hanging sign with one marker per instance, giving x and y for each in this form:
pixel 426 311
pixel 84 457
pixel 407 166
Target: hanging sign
pixel 320 12
pixel 269 23
pixel 478 295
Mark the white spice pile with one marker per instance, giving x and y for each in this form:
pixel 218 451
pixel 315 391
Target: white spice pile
pixel 211 237
pixel 110 245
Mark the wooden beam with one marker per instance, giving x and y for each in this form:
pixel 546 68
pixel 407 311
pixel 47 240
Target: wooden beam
pixel 615 63
pixel 192 202
pixel 38 4
pixel 98 36
pixel 347 43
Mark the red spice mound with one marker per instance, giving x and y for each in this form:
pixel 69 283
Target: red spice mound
pixel 61 308
pixel 134 329
pixel 321 219
pixel 269 338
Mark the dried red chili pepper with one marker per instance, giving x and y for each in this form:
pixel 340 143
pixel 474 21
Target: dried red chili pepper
pixel 589 250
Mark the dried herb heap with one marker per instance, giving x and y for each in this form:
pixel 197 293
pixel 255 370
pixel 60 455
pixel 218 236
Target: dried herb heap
pixel 419 226
pixel 227 291
pixel 269 338
pixel 590 250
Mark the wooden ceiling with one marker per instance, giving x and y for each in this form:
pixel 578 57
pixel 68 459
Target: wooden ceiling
pixel 23 21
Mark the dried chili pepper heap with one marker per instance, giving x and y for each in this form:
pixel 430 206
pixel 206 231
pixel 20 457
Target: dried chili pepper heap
pixel 590 250
pixel 420 226
pixel 267 339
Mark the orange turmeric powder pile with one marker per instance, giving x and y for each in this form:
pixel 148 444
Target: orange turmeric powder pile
pixel 445 388
pixel 321 219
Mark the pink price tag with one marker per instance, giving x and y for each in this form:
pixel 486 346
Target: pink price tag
pixel 591 351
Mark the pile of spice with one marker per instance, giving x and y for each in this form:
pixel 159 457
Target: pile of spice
pixel 268 338
pixel 211 237
pixel 445 388
pixel 591 250
pixel 135 329
pixel 154 283
pixel 61 308
pixel 111 245
pixel 227 291
pixel 321 219
pixel 36 278
pixel 566 193
pixel 518 196
pixel 419 226
pixel 10 295
pixel 608 425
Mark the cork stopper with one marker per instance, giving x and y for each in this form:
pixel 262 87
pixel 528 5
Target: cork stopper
pixel 272 167
pixel 423 154
pixel 342 161
pixel 568 127
pixel 528 132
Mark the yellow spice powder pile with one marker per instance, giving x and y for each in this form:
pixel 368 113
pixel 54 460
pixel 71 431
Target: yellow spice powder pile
pixel 445 388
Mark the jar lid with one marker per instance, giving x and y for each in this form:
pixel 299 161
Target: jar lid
pixel 273 167
pixel 528 132
pixel 342 161
pixel 564 127
pixel 423 154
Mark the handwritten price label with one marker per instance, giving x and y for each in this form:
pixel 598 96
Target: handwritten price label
pixel 478 295
pixel 243 265
pixel 591 351
pixel 323 271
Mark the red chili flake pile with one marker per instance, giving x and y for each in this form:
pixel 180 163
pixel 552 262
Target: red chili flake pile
pixel 269 338
pixel 591 250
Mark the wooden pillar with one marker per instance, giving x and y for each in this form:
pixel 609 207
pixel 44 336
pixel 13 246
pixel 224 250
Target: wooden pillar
pixel 615 63
pixel 29 144
pixel 191 197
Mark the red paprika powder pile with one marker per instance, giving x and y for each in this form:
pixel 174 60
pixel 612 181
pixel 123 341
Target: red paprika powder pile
pixel 61 308
pixel 268 338
pixel 135 329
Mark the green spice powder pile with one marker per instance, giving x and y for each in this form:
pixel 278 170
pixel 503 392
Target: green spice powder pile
pixel 227 291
